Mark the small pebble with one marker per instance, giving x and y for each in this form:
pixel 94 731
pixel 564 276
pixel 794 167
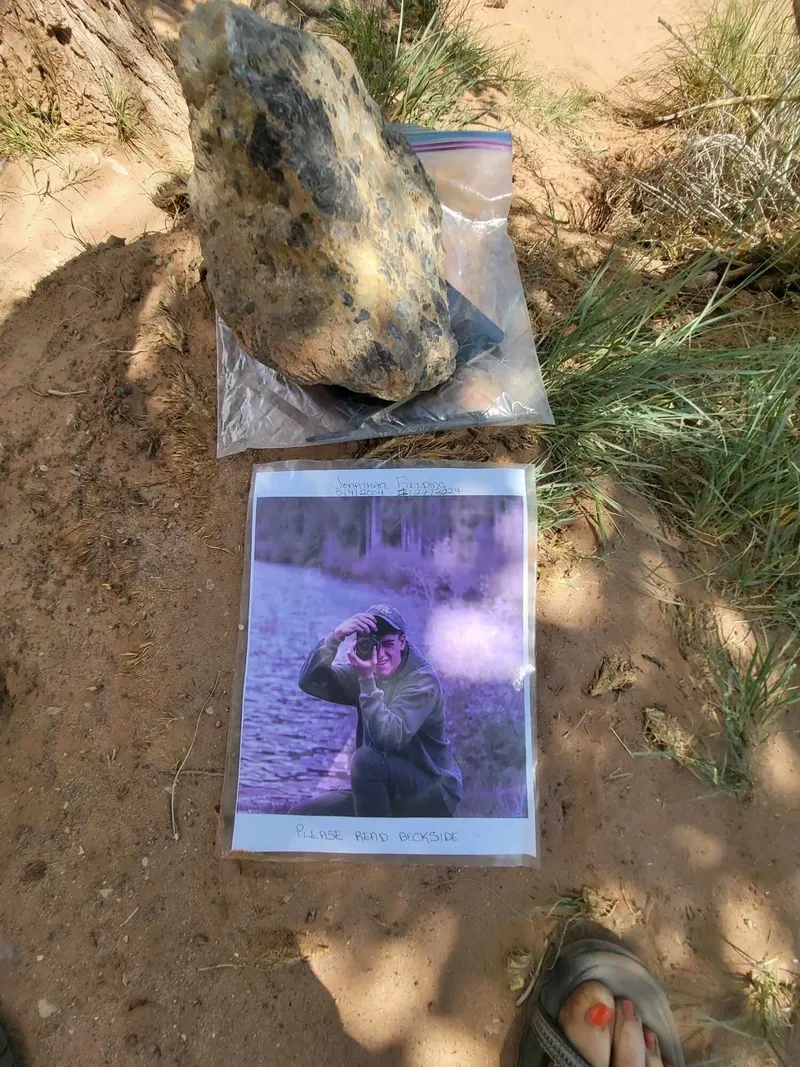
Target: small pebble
pixel 43 468
pixel 209 711
pixel 39 959
pixel 241 625
pixel 105 893
pixel 176 504
pixel 218 723
pixel 46 1009
pixel 54 711
pixel 209 585
pixel 145 861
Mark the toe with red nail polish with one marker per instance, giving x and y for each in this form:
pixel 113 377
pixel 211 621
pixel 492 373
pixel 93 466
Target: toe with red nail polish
pixel 599 1015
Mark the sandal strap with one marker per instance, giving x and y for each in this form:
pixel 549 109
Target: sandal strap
pixel 561 1052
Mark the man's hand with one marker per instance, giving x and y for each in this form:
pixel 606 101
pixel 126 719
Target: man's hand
pixel 364 668
pixel 356 624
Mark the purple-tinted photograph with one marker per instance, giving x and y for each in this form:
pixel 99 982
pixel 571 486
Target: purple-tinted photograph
pixel 386 658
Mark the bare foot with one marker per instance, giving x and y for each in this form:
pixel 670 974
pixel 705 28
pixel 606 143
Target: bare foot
pixel 587 1019
pixel 606 1033
pixel 633 1044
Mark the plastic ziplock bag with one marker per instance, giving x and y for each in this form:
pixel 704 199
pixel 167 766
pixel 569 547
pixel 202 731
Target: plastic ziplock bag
pixel 497 379
pixel 383 700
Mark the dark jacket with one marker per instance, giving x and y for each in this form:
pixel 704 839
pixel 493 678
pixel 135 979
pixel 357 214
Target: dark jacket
pixel 402 714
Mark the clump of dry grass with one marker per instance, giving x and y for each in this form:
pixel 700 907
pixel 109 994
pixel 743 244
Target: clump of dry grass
pixel 747 690
pixel 693 627
pixel 187 425
pixel 522 970
pixel 663 733
pixel 730 89
pixel 172 195
pixel 772 1001
pixel 271 950
pixel 127 108
pixel 613 675
pixel 100 553
pixel 587 903
pixel 470 446
pixel 32 135
pixel 169 330
pixel 135 659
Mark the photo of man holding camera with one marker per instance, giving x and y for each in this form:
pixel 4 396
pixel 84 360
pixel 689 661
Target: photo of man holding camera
pixel 403 765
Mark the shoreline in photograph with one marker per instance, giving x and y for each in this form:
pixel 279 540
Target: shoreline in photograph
pixel 269 778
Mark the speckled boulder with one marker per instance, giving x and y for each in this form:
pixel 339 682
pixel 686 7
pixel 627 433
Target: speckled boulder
pixel 320 230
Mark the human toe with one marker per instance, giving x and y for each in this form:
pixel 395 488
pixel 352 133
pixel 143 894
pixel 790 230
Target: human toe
pixel 586 1019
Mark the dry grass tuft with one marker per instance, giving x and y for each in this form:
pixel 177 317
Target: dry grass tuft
pixel 172 195
pixel 33 135
pixel 274 949
pixel 487 445
pixel 773 1002
pixel 663 733
pixel 187 425
pixel 98 552
pixel 589 903
pixel 142 655
pixel 127 107
pixel 168 328
pixel 729 90
pixel 613 675
pixel 746 690
pixel 593 905
pixel 694 628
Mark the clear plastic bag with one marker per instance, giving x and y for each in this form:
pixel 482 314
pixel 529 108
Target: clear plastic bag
pixel 497 379
pixel 445 554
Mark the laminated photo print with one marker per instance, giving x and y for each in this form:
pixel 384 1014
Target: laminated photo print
pixel 385 686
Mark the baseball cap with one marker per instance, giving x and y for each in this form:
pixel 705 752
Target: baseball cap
pixel 389 615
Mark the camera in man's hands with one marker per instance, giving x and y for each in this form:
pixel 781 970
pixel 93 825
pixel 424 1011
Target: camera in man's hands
pixel 365 645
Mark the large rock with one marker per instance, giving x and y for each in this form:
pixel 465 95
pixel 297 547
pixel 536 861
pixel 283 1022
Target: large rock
pixel 320 229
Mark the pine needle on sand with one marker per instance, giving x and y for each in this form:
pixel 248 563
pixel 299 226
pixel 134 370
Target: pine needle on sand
pixel 206 702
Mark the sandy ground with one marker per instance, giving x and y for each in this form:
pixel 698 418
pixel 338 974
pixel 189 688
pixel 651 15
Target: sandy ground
pixel 596 45
pixel 121 538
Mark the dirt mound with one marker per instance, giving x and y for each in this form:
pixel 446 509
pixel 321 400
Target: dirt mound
pixel 122 539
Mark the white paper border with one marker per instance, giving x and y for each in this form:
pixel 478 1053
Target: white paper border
pixel 430 838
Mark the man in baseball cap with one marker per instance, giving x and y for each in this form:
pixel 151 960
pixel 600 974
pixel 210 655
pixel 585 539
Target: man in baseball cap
pixel 403 765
